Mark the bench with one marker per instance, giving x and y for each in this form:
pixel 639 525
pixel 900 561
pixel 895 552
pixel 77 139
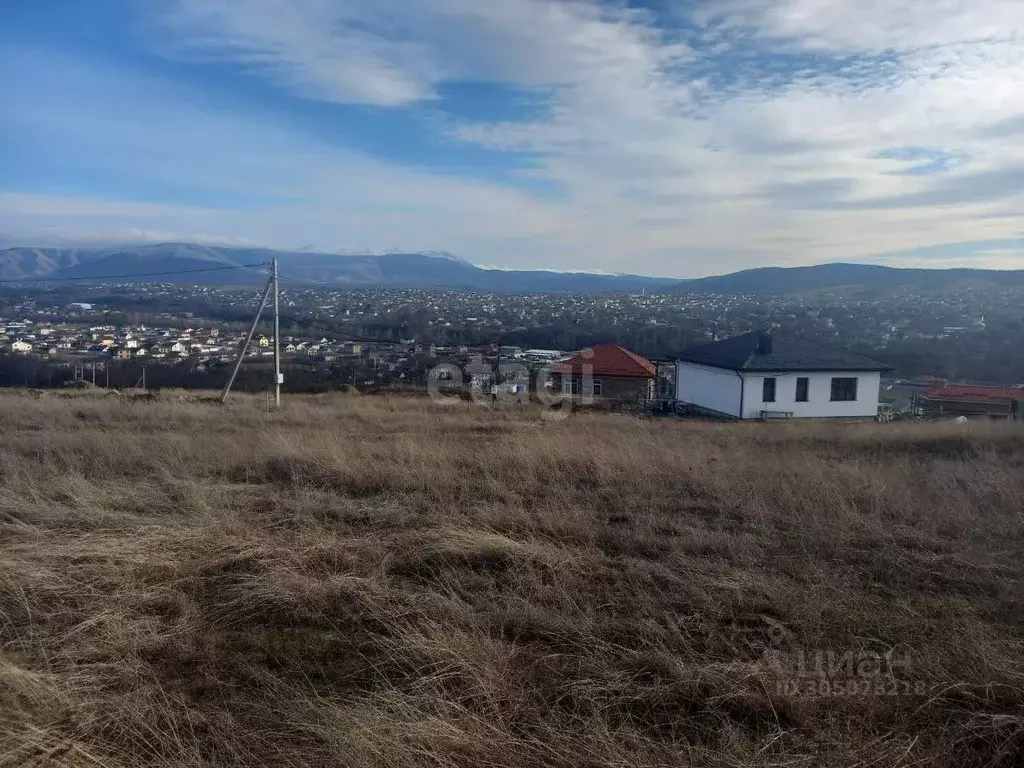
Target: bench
pixel 776 415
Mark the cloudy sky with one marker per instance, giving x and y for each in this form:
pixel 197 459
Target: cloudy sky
pixel 665 137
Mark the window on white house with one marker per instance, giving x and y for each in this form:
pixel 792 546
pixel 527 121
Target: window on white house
pixel 844 390
pixel 768 391
pixel 802 389
pixel 598 387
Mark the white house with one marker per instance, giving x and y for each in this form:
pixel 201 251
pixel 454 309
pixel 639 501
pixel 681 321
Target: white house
pixel 21 346
pixel 759 376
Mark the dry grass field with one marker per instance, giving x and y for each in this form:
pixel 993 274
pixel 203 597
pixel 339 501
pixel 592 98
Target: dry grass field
pixel 382 582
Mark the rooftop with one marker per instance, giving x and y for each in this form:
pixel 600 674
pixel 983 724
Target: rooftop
pixel 608 360
pixel 760 351
pixel 974 392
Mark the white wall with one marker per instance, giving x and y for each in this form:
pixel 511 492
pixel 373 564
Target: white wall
pixel 818 404
pixel 712 388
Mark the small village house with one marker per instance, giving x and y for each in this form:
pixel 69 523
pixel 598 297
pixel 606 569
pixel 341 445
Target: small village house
pixel 761 376
pixel 607 371
pixel 972 401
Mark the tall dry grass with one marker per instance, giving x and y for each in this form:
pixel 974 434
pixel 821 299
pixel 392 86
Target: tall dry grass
pixel 375 582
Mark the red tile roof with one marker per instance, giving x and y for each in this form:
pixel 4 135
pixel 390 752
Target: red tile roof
pixel 976 392
pixel 608 360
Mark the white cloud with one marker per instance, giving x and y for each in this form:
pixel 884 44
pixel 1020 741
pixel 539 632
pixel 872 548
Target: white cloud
pixel 314 47
pixel 673 152
pixel 752 165
pixel 868 26
pixel 395 51
pixel 258 182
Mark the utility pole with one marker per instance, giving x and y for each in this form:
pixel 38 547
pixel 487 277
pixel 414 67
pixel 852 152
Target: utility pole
pixel 143 377
pixel 496 382
pixel 277 337
pixel 248 339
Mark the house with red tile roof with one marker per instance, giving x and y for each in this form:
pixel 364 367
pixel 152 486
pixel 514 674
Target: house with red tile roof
pixel 972 400
pixel 607 371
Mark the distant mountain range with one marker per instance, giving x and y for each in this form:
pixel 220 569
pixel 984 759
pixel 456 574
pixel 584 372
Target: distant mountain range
pixel 202 264
pixel 197 263
pixel 790 280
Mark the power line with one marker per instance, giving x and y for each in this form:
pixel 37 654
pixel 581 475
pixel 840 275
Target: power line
pixel 136 274
pixel 336 330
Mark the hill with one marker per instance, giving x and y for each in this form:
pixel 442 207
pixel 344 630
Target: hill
pixel 787 280
pixel 440 270
pixel 28 263
pixel 386 270
pixel 382 582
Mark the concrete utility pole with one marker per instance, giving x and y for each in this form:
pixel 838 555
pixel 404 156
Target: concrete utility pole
pixel 248 339
pixel 278 379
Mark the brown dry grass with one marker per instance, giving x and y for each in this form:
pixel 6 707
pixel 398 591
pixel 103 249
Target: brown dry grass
pixel 373 582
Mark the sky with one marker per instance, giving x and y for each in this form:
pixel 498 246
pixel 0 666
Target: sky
pixel 667 137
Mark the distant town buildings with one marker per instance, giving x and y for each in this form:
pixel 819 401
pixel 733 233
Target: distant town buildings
pixel 396 335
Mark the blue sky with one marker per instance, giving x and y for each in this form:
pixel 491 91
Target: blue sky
pixel 658 137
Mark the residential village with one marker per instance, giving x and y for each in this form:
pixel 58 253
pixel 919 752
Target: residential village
pixel 384 338
pixel 82 347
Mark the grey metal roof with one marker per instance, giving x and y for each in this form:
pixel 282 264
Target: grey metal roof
pixel 749 353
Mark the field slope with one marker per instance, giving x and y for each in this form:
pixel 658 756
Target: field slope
pixel 372 582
